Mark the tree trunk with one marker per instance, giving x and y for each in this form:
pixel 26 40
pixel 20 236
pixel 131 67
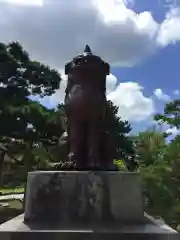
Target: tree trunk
pixel 2 155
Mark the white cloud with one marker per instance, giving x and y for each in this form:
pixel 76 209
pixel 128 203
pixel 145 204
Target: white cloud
pixel 176 92
pixel 169 32
pixel 174 131
pixel 133 105
pixel 25 2
pixel 58 97
pixel 161 95
pixel 54 31
pixel 111 83
pixel 58 30
pixel 165 127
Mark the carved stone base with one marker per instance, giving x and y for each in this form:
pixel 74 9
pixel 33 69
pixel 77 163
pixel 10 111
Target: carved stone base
pixel 72 197
pixel 84 205
pixel 16 229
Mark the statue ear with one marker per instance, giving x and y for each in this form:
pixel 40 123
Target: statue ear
pixel 106 68
pixel 67 66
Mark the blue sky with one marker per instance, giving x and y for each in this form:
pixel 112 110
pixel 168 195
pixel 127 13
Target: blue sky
pixel 158 71
pixel 158 8
pixel 139 38
pixel 161 70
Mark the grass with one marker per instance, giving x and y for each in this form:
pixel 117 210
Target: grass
pixel 14 209
pixel 5 191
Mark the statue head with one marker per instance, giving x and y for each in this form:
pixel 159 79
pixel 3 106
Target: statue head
pixel 87 62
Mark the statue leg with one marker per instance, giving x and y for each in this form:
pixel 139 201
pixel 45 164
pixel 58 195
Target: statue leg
pixel 93 138
pixel 76 141
pixel 107 151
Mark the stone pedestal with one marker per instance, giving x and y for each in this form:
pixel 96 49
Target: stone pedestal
pixel 79 205
pixel 72 197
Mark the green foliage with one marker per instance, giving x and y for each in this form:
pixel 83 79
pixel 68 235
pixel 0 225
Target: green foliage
pixel 149 147
pixel 21 77
pixel 119 131
pixel 120 165
pixel 25 124
pixel 160 167
pixel 171 114
pixel 7 191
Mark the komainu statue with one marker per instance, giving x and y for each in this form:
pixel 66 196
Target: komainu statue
pixel 85 105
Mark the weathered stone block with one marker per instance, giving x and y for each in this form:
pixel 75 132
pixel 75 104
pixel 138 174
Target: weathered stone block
pixel 84 205
pixel 16 229
pixel 71 197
